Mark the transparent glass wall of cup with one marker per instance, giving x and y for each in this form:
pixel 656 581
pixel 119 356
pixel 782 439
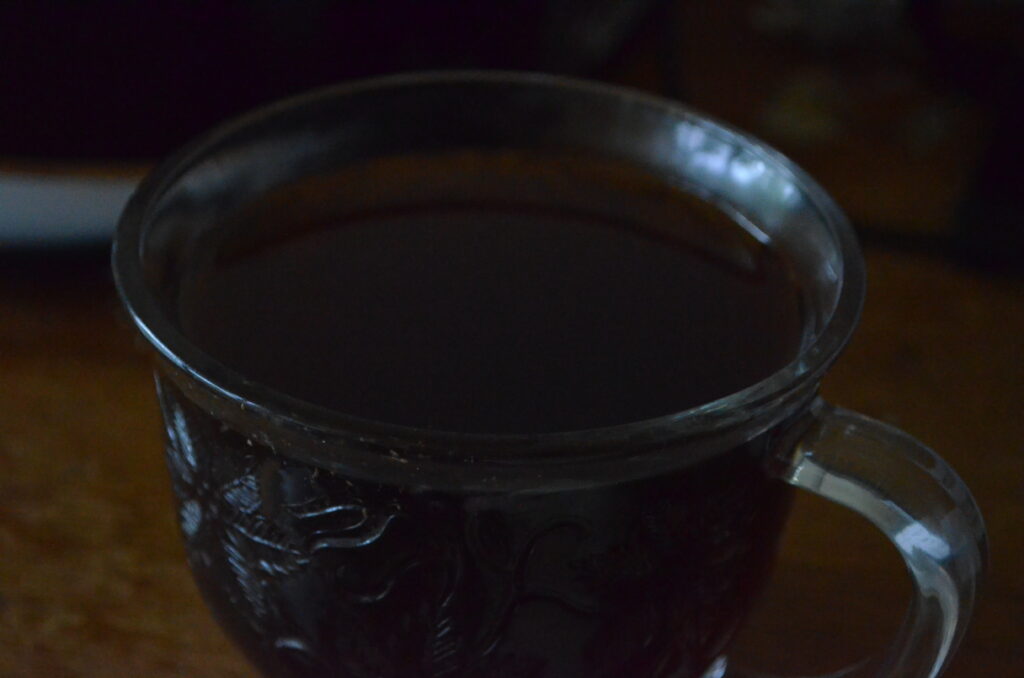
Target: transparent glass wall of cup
pixel 327 545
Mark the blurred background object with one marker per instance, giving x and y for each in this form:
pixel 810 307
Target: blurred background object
pixel 94 91
pixel 906 110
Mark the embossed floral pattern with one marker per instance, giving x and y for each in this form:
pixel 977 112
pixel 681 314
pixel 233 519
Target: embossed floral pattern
pixel 315 574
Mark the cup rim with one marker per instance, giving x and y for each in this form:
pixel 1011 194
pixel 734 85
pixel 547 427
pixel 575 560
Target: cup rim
pixel 230 387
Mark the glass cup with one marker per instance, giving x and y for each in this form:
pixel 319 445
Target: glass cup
pixel 329 545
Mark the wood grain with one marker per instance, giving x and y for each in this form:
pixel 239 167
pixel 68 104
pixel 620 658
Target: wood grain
pixel 92 576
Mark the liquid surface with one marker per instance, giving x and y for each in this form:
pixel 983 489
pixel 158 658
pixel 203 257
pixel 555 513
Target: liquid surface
pixel 473 312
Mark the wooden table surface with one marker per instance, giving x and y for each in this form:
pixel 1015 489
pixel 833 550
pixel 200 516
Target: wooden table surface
pixel 93 580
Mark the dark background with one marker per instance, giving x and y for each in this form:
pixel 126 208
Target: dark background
pixel 907 110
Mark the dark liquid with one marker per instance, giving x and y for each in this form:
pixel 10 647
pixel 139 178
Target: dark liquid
pixel 573 308
pixel 497 317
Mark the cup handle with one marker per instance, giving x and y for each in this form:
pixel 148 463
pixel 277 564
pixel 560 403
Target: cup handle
pixel 924 509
